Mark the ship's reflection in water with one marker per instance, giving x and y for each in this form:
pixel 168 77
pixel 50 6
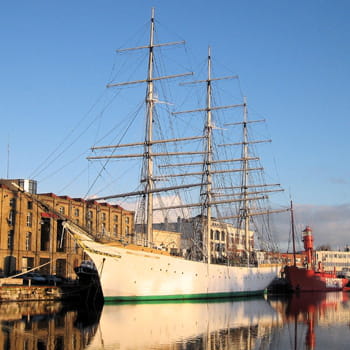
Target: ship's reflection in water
pixel 307 321
pixel 315 320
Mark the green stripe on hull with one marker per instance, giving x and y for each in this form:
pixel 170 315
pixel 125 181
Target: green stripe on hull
pixel 183 297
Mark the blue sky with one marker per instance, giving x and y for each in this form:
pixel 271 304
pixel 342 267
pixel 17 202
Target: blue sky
pixel 292 58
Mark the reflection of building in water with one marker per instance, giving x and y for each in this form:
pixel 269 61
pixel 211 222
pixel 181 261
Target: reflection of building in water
pixel 217 325
pixel 334 309
pixel 42 325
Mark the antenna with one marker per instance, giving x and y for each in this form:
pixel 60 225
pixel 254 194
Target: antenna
pixel 8 159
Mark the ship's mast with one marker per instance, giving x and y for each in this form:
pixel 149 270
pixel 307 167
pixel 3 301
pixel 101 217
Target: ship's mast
pixel 207 172
pixel 248 191
pixel 148 156
pixel 245 179
pixel 207 197
pixel 149 132
pixel 293 233
pixel 209 151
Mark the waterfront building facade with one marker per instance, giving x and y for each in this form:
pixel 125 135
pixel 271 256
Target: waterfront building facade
pixel 31 230
pixel 325 260
pixel 168 241
pixel 333 260
pixel 226 240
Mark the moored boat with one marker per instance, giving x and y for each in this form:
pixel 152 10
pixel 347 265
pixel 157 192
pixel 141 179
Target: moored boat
pixel 86 271
pixel 89 282
pixel 311 278
pixel 141 273
pixel 136 270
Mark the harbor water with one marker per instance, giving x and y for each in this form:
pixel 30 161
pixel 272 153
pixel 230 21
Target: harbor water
pixel 305 321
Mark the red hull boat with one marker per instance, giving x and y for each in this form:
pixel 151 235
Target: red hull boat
pixel 310 278
pixel 302 279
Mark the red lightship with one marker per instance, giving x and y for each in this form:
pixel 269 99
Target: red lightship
pixel 310 278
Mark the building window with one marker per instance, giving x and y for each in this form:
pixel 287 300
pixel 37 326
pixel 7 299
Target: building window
pixel 29 205
pixel 61 210
pixel 103 216
pixel 29 219
pixel 11 217
pixel 237 238
pixel 12 202
pixel 28 241
pixel 222 235
pixel 217 235
pixel 115 229
pixel 89 214
pixel 115 218
pixel 126 230
pixel 127 220
pixel 103 228
pixel 76 212
pixel 89 224
pixel 10 239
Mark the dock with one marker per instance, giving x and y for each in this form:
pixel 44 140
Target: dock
pixel 12 289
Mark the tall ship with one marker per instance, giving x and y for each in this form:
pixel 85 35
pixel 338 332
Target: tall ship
pixel 136 269
pixel 311 277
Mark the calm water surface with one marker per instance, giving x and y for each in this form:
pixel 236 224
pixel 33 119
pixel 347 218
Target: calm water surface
pixel 308 321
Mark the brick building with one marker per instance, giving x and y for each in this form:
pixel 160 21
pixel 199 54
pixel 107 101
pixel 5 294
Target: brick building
pixel 31 231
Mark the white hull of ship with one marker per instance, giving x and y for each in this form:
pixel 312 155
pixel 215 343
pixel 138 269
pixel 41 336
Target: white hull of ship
pixel 128 274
